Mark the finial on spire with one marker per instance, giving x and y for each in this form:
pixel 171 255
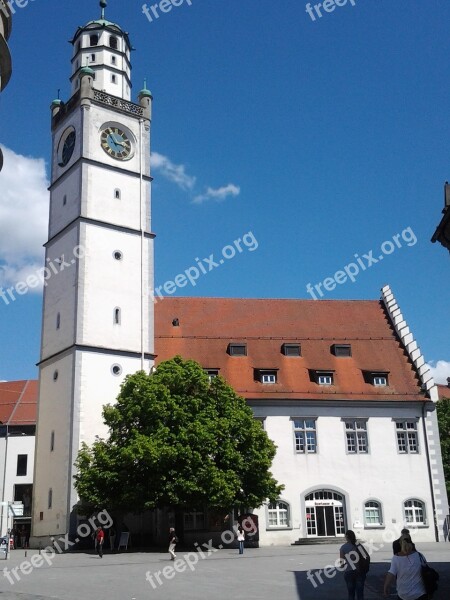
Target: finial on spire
pixel 103 5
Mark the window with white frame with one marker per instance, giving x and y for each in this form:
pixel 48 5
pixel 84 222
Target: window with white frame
pixel 373 516
pixel 414 511
pixel 356 436
pixel 407 437
pixel 305 436
pixel 278 514
pixel 212 373
pixel 194 520
pixel 267 376
pixel 379 380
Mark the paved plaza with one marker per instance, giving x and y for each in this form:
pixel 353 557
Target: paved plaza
pixel 275 573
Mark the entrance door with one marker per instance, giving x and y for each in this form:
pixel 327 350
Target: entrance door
pixel 325 514
pixel 325 521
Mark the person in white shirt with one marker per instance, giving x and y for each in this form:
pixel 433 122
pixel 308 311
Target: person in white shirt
pixel 240 536
pixel 406 570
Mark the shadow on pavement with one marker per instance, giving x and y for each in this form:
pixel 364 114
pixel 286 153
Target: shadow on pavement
pixel 309 586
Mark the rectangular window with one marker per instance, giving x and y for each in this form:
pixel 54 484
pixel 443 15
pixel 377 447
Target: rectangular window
pixel 356 436
pixel 113 79
pixel 194 520
pixel 22 462
pixel 237 349
pixel 379 380
pixel 407 437
pixel 291 349
pixel 212 373
pixel 113 60
pixel 93 58
pixel 266 376
pixel 52 441
pixel 305 436
pixel 372 514
pixel 325 379
pixel 341 350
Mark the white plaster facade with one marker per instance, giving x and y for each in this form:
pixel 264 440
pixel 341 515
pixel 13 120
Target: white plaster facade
pixel 382 474
pixel 11 447
pixel 97 314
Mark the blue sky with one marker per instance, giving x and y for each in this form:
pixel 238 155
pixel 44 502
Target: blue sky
pixel 323 138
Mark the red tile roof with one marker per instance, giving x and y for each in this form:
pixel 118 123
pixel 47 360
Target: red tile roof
pixel 443 391
pixel 18 402
pixel 208 325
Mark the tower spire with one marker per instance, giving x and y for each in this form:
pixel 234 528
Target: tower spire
pixel 103 5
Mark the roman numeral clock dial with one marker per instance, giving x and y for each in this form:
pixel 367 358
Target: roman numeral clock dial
pixel 116 143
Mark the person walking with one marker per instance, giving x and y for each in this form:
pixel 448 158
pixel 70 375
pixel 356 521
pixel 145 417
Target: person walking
pixel 240 536
pixel 100 538
pixel 406 569
pixel 354 577
pixel 172 543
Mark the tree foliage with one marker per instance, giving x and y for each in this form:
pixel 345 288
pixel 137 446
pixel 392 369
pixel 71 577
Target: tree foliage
pixel 443 415
pixel 176 439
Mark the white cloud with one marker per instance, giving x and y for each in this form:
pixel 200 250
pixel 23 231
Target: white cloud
pixel 175 173
pixel 219 194
pixel 23 216
pixel 440 371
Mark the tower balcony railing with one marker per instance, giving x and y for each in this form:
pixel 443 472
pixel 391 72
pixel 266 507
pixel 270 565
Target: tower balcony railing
pixel 118 103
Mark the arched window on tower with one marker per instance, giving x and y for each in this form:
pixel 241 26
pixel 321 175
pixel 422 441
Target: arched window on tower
pixel 93 40
pixel 113 43
pixel 117 316
pixel 117 194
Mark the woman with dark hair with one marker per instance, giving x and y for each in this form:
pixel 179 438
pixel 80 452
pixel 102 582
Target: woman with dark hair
pixel 350 553
pixel 406 567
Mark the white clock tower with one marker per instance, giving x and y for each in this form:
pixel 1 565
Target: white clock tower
pixel 97 316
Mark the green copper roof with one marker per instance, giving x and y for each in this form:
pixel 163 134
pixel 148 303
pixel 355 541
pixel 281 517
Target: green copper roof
pixel 56 102
pixel 86 71
pixel 104 23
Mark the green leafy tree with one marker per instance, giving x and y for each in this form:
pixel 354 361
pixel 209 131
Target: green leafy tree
pixel 443 415
pixel 176 439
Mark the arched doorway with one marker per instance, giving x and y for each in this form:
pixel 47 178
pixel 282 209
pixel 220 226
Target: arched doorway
pixel 325 514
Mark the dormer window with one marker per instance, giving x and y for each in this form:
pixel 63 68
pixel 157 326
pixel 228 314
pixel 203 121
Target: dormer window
pixel 212 373
pixel 380 380
pixel 291 349
pixel 93 40
pixel 341 350
pixel 266 376
pixel 376 378
pixel 322 377
pixel 237 349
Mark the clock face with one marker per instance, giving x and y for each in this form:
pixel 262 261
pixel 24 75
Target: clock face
pixel 115 143
pixel 66 146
